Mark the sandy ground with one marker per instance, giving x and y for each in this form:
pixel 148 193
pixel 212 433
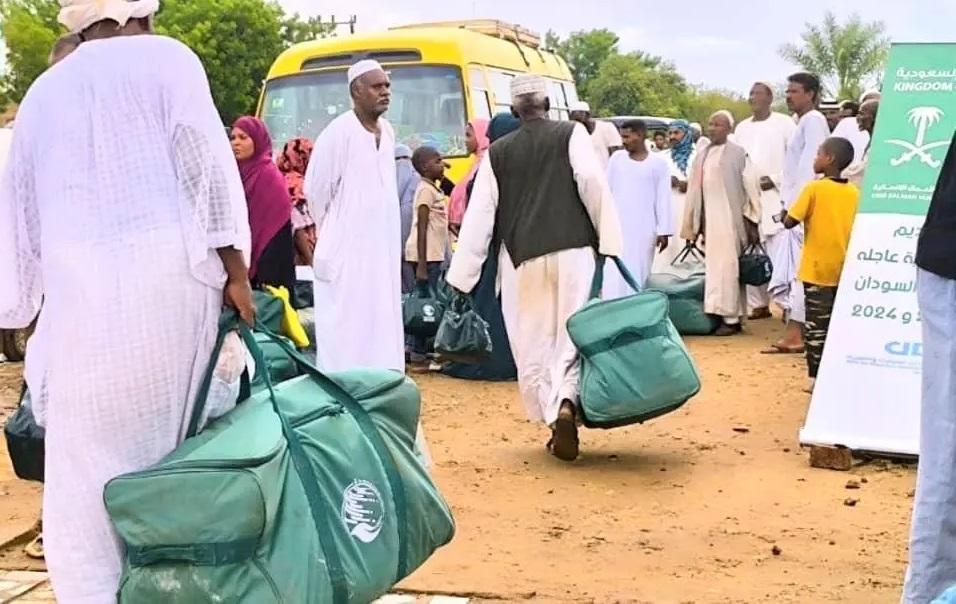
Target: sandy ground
pixel 688 508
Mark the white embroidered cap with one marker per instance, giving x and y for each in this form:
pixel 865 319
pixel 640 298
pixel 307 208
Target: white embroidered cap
pixel 580 106
pixel 363 67
pixel 528 83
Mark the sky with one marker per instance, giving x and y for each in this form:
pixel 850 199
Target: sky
pixel 717 43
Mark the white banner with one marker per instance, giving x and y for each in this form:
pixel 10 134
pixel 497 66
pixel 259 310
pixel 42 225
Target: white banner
pixel 867 393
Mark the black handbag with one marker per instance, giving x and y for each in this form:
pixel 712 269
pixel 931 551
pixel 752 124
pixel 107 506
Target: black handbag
pixel 463 336
pixel 755 266
pixel 25 441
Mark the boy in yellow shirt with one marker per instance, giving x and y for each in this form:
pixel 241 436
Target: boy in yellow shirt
pixel 827 209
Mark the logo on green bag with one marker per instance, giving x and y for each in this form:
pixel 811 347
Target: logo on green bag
pixel 363 511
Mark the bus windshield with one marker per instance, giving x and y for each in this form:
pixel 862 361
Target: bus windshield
pixel 427 108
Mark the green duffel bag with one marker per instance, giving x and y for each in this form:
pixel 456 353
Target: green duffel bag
pixel 309 493
pixel 269 310
pixel 634 365
pixel 683 282
pixel 279 365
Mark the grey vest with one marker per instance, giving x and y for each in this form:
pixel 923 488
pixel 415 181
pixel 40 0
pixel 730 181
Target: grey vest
pixel 539 209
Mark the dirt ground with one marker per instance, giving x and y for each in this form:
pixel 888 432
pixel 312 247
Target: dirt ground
pixel 713 503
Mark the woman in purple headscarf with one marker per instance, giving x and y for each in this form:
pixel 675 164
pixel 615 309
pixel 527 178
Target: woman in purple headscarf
pixel 270 207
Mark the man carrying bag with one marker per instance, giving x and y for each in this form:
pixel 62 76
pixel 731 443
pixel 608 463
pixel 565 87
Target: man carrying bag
pixel 544 193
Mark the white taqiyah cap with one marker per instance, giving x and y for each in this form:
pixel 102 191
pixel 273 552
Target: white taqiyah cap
pixel 768 85
pixel 580 106
pixel 870 95
pixel 528 83
pixel 77 15
pixel 363 67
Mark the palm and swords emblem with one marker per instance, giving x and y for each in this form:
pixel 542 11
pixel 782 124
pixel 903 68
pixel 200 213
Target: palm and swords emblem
pixel 923 118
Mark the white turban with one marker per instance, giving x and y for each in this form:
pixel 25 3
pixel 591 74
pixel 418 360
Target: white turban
pixel 77 15
pixel 528 83
pixel 726 114
pixel 580 106
pixel 870 93
pixel 363 67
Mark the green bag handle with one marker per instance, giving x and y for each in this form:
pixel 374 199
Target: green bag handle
pixel 320 515
pixel 227 322
pixel 597 283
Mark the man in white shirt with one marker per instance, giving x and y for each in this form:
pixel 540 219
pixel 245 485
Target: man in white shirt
pixel 803 95
pixel 641 184
pixel 765 137
pixel 545 195
pixel 353 190
pixel 604 135
pixel 849 128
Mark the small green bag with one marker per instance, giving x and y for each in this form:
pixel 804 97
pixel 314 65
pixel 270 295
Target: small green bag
pixel 634 365
pixel 422 311
pixel 309 492
pixel 684 282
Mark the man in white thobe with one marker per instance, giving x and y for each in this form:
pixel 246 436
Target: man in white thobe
pixel 723 207
pixel 803 94
pixel 551 210
pixel 641 185
pixel 765 136
pixel 124 212
pixel 604 135
pixel 849 128
pixel 866 122
pixel 353 191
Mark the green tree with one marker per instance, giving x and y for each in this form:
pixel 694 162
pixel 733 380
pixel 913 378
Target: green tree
pixel 585 52
pixel 704 102
pixel 235 62
pixel 295 29
pixel 846 56
pixel 628 85
pixel 29 29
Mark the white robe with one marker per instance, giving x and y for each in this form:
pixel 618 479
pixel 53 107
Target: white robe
pixel 353 192
pixel 119 189
pixel 642 194
pixel 849 128
pixel 766 143
pixel 785 289
pixel 674 246
pixel 540 295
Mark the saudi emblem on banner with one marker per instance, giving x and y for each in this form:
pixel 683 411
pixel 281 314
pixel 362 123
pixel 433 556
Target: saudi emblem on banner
pixel 867 396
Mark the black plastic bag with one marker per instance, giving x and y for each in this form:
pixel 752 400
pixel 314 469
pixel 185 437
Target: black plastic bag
pixel 26 441
pixel 755 266
pixel 422 311
pixel 463 336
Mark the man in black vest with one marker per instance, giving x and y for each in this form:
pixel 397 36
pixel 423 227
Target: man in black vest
pixel 932 566
pixel 543 196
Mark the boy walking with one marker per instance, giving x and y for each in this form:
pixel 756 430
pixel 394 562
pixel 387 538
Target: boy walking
pixel 827 208
pixel 428 240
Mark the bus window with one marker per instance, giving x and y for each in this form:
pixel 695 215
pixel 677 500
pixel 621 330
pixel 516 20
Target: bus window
pixel 501 86
pixel 480 100
pixel 428 106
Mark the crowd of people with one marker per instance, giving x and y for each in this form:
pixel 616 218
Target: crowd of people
pixel 142 220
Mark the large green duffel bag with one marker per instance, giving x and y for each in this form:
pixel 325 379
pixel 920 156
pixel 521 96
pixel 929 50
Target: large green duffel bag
pixel 683 282
pixel 634 365
pixel 309 492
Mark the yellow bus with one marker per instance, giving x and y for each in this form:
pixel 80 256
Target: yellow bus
pixel 443 75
